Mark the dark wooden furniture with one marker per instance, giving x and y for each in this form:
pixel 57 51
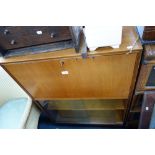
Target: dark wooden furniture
pixel 149 33
pixel 23 40
pixel 96 90
pixel 143 98
pixel 146 34
pixel 147 109
pixel 147 74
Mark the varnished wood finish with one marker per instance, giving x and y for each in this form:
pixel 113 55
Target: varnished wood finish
pixel 132 87
pixel 86 105
pixel 41 56
pixel 104 77
pixel 91 117
pixel 88 111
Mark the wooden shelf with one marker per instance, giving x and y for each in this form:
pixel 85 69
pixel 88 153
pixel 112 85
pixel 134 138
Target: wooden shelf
pixel 86 105
pixel 96 117
pixel 107 112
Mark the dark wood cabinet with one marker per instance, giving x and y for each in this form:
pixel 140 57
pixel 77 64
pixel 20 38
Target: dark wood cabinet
pixel 22 40
pixel 14 37
pixel 144 95
pixel 149 33
pixel 147 109
pixel 147 73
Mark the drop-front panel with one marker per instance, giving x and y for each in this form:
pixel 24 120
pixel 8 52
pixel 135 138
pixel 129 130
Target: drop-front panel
pixel 98 77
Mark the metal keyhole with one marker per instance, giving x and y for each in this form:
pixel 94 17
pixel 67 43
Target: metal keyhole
pixel 62 63
pixel 63 70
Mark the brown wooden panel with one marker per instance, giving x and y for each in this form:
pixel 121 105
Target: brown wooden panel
pixel 149 33
pixel 91 117
pixel 103 77
pixel 12 37
pixel 86 105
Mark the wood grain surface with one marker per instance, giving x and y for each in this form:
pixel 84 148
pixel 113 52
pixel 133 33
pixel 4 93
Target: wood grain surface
pixel 105 77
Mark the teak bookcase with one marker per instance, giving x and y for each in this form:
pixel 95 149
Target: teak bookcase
pixel 95 90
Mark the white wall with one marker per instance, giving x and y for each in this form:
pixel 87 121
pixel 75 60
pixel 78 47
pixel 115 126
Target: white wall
pixel 9 89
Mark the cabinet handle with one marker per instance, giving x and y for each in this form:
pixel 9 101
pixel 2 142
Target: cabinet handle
pixel 12 42
pixel 6 31
pixel 39 32
pixel 52 35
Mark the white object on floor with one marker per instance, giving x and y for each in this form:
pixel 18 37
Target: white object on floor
pixel 16 107
pixel 99 36
pixel 14 113
pixel 32 121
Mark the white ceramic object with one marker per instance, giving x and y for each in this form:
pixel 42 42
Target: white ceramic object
pixel 16 108
pixel 9 89
pixel 14 113
pixel 99 36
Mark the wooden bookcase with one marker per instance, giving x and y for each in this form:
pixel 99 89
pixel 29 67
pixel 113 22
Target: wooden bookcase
pixel 95 90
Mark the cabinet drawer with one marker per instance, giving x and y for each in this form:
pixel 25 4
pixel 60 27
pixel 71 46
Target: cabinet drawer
pixel 149 33
pixel 100 77
pixel 14 37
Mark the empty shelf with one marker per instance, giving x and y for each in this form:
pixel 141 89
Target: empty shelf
pixel 86 105
pixel 96 117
